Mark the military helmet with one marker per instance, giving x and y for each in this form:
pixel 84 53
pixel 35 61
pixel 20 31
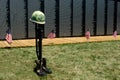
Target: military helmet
pixel 38 17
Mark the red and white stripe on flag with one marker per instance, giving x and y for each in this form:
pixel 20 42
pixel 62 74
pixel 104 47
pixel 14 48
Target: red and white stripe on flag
pixel 51 35
pixel 115 34
pixel 87 35
pixel 9 38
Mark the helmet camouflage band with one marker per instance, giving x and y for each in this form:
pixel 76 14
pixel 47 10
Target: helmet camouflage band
pixel 38 17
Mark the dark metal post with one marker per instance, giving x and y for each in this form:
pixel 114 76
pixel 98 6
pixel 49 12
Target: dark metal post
pixel 38 35
pixel 57 17
pixel 83 17
pixel 72 17
pixel 115 16
pixel 105 17
pixel 26 17
pixel 42 9
pixel 36 40
pixel 8 14
pixel 95 18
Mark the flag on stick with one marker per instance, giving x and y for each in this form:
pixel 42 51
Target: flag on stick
pixel 51 35
pixel 8 36
pixel 87 34
pixel 115 34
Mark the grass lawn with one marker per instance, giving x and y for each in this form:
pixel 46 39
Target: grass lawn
pixel 84 61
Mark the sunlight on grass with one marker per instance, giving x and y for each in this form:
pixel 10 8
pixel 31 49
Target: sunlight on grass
pixel 84 61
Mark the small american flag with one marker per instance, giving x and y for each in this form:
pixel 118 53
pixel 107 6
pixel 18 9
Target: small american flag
pixel 51 35
pixel 87 34
pixel 115 34
pixel 8 36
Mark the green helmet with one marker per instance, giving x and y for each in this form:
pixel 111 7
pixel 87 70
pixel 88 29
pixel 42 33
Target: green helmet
pixel 38 17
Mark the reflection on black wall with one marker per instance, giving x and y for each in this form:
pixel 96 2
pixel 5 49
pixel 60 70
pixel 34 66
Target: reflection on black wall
pixel 100 17
pixel 3 23
pixel 110 17
pixel 77 18
pixel 31 9
pixel 89 15
pixel 50 17
pixel 63 16
pixel 118 17
pixel 17 18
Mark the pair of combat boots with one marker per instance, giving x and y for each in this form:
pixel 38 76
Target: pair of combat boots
pixel 41 68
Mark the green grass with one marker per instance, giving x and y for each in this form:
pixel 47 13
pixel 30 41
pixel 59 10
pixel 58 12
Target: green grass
pixel 84 61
